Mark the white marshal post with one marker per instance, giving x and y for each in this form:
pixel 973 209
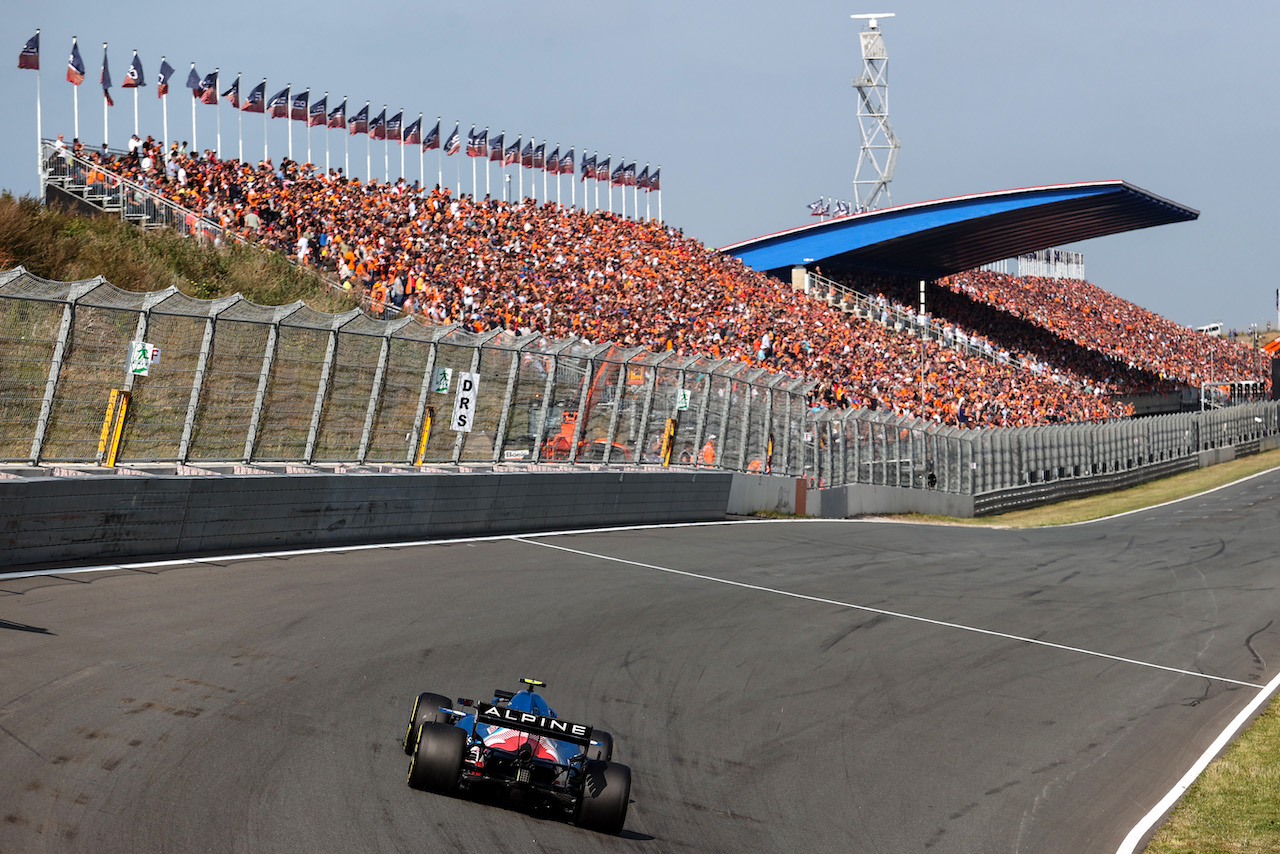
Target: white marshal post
pixel 878 155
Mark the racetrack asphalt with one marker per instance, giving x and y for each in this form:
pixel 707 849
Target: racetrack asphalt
pixel 857 687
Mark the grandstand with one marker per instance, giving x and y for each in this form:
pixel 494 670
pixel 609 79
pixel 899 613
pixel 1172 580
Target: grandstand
pixel 992 350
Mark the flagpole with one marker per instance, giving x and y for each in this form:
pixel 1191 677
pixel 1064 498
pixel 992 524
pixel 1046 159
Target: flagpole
pixel 659 194
pixel 557 174
pixel 595 164
pixel 326 133
pixel 422 175
pixel 106 136
pixel 439 157
pixel 544 171
pixel 346 146
pixel 194 147
pixel 39 137
pixel 646 197
pixel 240 120
pixel 610 180
pixel 288 116
pixel 308 124
pixel 164 109
pixel 386 147
pixel 521 170
pixel 573 185
pixel 75 96
pixel 265 115
pixel 623 193
pixel 217 107
pixel 135 98
pixel 487 154
pixel 368 147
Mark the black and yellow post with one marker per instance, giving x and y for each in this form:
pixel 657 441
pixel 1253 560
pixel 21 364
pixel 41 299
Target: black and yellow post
pixel 426 436
pixel 113 427
pixel 668 441
pixel 768 456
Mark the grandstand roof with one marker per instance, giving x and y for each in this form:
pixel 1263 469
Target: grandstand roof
pixel 938 238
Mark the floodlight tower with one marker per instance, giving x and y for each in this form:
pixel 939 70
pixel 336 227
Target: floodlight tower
pixel 879 153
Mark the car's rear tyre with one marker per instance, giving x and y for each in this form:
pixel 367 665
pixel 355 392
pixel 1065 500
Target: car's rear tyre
pixel 606 794
pixel 426 709
pixel 603 751
pixel 437 761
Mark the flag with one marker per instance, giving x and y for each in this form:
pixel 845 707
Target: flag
pixel 655 182
pixel 642 182
pixel 278 106
pixel 395 126
pixel 566 164
pixel 629 175
pixel 30 55
pixel 454 143
pixel 162 82
pixel 526 156
pixel 553 162
pixel 826 209
pixel 602 170
pixel 540 156
pixel 298 106
pixel 193 81
pixel 106 79
pixel 815 208
pixel 209 88
pixel 413 133
pixel 378 127
pixel 360 123
pixel 477 143
pixel 616 177
pixel 319 112
pixel 495 148
pixel 75 66
pixel 433 138
pixel 338 118
pixel 233 94
pixel 134 77
pixel 842 208
pixel 512 153
pixel 588 166
pixel 256 101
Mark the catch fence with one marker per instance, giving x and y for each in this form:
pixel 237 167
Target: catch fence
pixel 228 380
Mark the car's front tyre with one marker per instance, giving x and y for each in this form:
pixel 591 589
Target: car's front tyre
pixel 426 709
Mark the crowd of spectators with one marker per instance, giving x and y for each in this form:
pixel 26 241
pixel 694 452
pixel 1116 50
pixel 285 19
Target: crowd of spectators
pixel 540 268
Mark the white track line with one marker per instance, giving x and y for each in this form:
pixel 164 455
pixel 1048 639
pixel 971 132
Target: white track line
pixel 1142 828
pixel 898 614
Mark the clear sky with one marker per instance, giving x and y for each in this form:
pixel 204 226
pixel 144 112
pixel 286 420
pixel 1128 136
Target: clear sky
pixel 748 107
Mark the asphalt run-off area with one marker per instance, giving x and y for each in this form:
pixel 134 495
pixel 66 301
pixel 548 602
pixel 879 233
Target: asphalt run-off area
pixel 785 685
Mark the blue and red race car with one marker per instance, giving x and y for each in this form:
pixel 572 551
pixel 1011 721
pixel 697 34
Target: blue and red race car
pixel 516 743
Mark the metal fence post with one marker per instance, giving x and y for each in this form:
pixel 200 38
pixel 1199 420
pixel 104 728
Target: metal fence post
pixel 197 384
pixel 500 438
pixel 264 378
pixel 420 413
pixel 375 393
pixel 322 390
pixel 51 383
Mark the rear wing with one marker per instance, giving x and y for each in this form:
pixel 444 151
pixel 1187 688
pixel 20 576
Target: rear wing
pixel 532 723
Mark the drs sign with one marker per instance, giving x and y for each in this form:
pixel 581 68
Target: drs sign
pixel 464 402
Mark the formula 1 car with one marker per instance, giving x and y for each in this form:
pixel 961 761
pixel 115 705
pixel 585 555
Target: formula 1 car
pixel 516 744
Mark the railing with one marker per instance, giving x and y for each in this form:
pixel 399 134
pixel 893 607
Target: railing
pixel 859 446
pixel 234 381
pixel 904 320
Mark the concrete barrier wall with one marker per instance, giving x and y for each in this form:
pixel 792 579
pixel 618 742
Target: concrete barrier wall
pixel 65 519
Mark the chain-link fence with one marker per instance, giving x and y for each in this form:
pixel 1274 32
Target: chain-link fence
pixel 226 380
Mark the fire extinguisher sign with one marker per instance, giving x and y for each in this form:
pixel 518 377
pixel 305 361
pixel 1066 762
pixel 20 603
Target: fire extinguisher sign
pixel 464 402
